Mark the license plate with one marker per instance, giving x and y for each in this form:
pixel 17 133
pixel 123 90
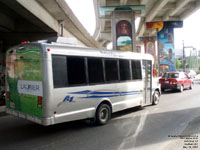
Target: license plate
pixel 166 81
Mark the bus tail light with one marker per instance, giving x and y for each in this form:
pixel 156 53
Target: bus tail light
pixel 24 42
pixel 39 102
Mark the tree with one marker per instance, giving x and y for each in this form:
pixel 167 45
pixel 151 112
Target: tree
pixel 179 64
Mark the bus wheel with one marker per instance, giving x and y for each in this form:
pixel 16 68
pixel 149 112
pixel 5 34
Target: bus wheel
pixel 156 97
pixel 103 114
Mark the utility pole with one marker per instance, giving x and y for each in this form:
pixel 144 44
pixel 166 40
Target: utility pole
pixel 196 58
pixel 184 61
pixel 184 58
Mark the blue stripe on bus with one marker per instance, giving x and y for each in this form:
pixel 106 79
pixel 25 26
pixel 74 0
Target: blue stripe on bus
pixel 81 92
pixel 97 94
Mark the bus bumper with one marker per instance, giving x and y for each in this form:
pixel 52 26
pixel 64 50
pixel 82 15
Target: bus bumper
pixel 35 119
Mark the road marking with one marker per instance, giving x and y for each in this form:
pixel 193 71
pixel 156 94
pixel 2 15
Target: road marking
pixel 130 141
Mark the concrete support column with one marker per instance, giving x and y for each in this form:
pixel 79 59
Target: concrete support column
pixel 150 48
pixel 165 37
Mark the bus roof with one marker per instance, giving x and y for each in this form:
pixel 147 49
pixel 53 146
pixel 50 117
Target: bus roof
pixel 76 50
pixel 93 52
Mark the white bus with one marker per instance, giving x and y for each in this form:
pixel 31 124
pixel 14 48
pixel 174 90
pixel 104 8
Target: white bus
pixel 50 83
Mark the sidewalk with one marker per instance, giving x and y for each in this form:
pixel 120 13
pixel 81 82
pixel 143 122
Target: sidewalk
pixel 2 111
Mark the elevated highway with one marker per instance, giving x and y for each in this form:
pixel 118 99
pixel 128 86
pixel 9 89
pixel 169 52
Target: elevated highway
pixel 30 20
pixel 155 10
pixel 23 20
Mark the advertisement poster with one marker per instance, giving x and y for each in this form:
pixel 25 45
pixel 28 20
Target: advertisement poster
pixel 124 36
pixel 24 80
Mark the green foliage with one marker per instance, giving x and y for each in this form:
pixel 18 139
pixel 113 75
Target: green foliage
pixel 191 62
pixel 198 72
pixel 179 64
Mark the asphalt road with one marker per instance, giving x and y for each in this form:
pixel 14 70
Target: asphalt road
pixel 172 124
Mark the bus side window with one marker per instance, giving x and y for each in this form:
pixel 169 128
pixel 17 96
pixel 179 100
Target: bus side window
pixel 125 72
pixel 95 70
pixel 59 71
pixel 136 69
pixel 111 70
pixel 76 70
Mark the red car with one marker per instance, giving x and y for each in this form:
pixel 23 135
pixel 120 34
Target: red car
pixel 176 81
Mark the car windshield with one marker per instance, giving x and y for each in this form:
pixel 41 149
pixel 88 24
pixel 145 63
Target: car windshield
pixel 171 75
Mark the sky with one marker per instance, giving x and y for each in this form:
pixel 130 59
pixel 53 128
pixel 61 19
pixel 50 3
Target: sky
pixel 84 11
pixel 189 33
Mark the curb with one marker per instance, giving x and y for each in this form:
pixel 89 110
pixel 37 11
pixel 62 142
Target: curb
pixel 3 114
pixel 2 111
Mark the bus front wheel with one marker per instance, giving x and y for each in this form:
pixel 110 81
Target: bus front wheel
pixel 103 114
pixel 156 97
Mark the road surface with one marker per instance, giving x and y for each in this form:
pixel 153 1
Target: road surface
pixel 172 124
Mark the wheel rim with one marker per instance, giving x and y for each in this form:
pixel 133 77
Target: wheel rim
pixel 156 98
pixel 103 115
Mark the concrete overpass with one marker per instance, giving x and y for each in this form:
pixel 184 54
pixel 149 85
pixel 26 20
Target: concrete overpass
pixel 156 10
pixel 23 20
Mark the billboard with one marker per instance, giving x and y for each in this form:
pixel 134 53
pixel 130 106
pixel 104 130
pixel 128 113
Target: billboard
pixel 24 80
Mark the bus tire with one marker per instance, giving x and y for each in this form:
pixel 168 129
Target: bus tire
pixel 156 98
pixel 103 114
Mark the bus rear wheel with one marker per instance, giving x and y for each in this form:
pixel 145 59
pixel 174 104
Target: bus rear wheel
pixel 103 114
